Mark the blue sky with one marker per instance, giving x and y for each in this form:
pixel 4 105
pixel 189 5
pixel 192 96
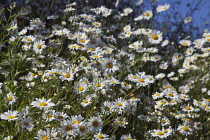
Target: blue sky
pixel 200 16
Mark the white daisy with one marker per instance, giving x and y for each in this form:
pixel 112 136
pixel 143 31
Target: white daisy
pixel 42 103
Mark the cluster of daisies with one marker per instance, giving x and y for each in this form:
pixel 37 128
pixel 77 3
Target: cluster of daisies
pixel 91 75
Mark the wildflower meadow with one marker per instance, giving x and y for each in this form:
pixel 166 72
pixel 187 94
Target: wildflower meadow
pixel 102 70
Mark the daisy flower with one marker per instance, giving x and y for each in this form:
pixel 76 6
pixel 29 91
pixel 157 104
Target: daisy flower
pixel 158 133
pixel 77 119
pixel 67 128
pixel 10 98
pixel 9 115
pixel 8 138
pixel 42 103
pixel 167 132
pixel 121 122
pixel 101 136
pixel 185 42
pixel 197 125
pixel 127 10
pixel 164 43
pixel 155 37
pixel 142 117
pixel 109 65
pixel 26 123
pixel 107 107
pixel 83 41
pixel 147 15
pixel 187 19
pixel 86 102
pixel 81 88
pixel 127 137
pixel 46 134
pixel 71 36
pixel 61 32
pixel 120 105
pixel 39 46
pixel 82 128
pixel 95 124
pixel 164 121
pixel 67 75
pixel 138 18
pixel 28 39
pixel 157 95
pixel 163 66
pixel 185 130
pixel 48 115
pixel 162 8
pixel 187 108
pixel 60 116
pixel 155 58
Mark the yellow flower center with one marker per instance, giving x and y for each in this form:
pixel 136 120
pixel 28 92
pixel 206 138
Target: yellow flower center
pixel 91 49
pixel 10 117
pixel 10 98
pixel 187 119
pixel 163 102
pixel 71 36
pixel 147 14
pixel 82 41
pixel 163 121
pixel 121 122
pixel 159 133
pixel 95 124
pixel 119 104
pixel 68 128
pixel 128 139
pixel 98 85
pixel 76 122
pixel 203 105
pixel 100 136
pixel 45 138
pixel 187 108
pixel 49 115
pixel 107 108
pixel 38 63
pixel 67 75
pixel 82 128
pixel 183 90
pixel 55 41
pixel 85 64
pixel 109 65
pixel 171 94
pixel 81 88
pixel 185 43
pixel 155 37
pixel 85 101
pixel 29 39
pixel 96 24
pixel 133 98
pixel 42 104
pixel 60 117
pixel 141 80
pixel 185 128
pixel 39 46
pixel 26 123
